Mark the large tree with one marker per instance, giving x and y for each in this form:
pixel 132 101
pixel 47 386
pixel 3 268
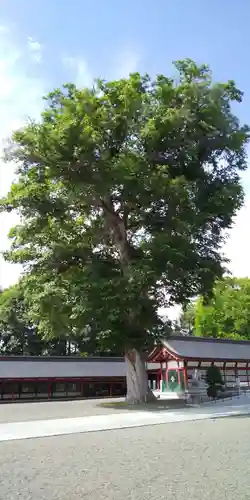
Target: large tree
pixel 227 315
pixel 125 192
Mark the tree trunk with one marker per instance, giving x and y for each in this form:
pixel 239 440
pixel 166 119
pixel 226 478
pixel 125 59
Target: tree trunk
pixel 137 379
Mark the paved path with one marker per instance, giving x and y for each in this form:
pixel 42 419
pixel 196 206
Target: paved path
pixel 42 428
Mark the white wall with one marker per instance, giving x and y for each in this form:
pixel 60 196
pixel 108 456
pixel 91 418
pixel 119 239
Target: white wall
pixel 47 369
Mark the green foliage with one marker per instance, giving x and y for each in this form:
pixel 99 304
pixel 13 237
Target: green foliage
pixel 213 376
pixel 227 315
pixel 17 334
pixel 125 192
pixel 187 319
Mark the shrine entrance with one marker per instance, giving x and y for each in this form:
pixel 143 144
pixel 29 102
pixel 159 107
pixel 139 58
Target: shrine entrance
pixel 173 381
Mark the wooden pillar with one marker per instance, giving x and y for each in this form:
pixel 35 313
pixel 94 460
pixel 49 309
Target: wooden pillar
pixel 235 369
pixel 158 383
pixel 185 375
pixel 49 389
pixel 224 372
pixel 178 373
pixel 166 374
pixel 82 387
pixel 237 377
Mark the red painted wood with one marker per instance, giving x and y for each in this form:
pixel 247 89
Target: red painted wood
pixel 185 377
pixel 82 388
pixel 50 389
pixel 163 354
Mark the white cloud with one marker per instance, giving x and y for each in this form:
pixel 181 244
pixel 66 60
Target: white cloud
pixel 237 249
pixel 81 73
pixel 20 97
pixel 126 62
pixel 35 49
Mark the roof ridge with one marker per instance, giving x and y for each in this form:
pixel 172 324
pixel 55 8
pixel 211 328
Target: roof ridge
pixel 206 339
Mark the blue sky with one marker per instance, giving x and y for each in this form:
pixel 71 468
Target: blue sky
pixel 153 34
pixel 80 40
pixel 44 43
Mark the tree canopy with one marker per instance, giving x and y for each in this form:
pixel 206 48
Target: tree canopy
pixel 227 315
pixel 125 191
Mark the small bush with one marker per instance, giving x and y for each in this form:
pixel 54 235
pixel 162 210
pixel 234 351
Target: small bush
pixel 214 381
pixel 212 392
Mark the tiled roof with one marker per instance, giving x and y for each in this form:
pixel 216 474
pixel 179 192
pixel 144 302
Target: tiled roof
pixel 206 348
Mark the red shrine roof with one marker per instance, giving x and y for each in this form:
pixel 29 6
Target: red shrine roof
pixel 200 348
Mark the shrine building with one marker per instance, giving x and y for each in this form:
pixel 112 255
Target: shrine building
pixel 172 364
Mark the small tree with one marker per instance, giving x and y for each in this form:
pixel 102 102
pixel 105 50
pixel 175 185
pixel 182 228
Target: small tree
pixel 214 381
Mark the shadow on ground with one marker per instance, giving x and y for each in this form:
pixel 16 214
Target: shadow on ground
pixel 42 400
pixel 156 406
pixel 245 415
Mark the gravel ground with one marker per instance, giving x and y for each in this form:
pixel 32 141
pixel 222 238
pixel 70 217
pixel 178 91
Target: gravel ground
pixel 196 460
pixel 25 412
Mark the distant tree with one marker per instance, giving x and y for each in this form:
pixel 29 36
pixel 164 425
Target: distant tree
pixel 125 192
pixel 227 314
pixel 17 334
pixel 187 319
